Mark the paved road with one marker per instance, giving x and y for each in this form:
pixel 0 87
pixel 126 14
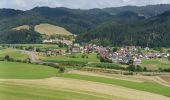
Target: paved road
pixel 32 56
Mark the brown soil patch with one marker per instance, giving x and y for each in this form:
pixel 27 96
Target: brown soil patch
pixel 166 78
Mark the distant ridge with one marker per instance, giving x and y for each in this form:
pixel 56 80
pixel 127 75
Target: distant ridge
pixel 117 26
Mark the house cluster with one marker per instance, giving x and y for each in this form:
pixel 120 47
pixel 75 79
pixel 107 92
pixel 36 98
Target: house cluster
pixel 156 55
pixel 126 55
pixel 123 55
pixel 83 49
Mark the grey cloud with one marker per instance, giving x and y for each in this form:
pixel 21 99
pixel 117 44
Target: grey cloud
pixel 83 4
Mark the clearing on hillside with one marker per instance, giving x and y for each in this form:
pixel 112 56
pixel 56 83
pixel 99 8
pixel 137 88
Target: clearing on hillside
pixel 23 27
pixel 49 29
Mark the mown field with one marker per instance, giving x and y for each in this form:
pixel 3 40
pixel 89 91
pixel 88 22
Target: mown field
pixel 78 57
pixel 28 92
pixel 20 91
pixel 22 73
pixel 143 86
pixel 13 54
pixel 156 63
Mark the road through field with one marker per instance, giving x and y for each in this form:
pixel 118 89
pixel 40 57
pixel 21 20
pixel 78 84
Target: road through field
pixel 32 56
pixel 110 91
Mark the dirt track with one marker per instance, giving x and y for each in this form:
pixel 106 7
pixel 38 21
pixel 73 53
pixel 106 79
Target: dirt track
pixel 166 78
pixel 77 85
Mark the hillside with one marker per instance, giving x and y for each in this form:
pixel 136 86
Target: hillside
pixel 147 11
pixel 153 32
pixel 49 29
pixel 23 27
pixel 129 25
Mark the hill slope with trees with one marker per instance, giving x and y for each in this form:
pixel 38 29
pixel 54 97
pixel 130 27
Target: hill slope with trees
pixel 129 25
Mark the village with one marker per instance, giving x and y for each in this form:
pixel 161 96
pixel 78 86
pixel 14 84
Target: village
pixel 120 55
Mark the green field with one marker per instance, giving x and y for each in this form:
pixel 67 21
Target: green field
pixel 19 91
pixel 78 57
pixel 13 54
pixel 156 63
pixel 144 86
pixel 13 91
pixel 25 71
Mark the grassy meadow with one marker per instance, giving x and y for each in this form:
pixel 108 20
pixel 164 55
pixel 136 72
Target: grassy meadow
pixel 49 29
pixel 23 71
pixel 16 91
pixel 13 70
pixel 156 63
pixel 23 27
pixel 13 54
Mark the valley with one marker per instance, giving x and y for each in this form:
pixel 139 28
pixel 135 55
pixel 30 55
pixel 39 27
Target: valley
pixel 116 53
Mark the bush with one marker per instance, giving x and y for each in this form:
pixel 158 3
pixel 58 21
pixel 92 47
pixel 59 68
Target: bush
pixel 7 58
pixel 131 68
pixel 164 70
pixel 137 68
pixel 145 69
pixel 61 69
pixel 128 73
pixel 105 60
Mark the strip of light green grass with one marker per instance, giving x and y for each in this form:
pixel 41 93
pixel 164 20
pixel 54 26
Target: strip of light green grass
pixel 144 86
pixel 24 92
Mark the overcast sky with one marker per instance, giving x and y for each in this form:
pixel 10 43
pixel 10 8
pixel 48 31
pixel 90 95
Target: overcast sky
pixel 82 4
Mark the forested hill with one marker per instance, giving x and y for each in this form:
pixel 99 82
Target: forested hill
pixel 153 32
pixel 129 25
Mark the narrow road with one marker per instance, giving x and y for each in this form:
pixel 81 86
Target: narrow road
pixel 32 56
